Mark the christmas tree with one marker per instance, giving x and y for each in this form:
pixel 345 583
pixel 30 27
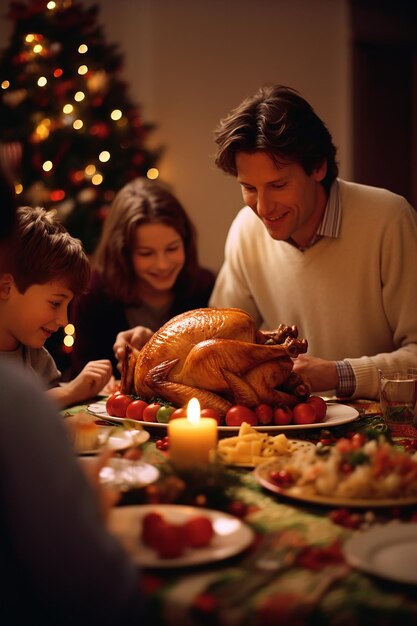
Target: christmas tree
pixel 72 134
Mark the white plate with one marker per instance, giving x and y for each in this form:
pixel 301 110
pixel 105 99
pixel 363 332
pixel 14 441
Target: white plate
pixel 124 474
pixel 303 493
pixel 337 414
pixel 117 439
pixel 386 551
pixel 231 534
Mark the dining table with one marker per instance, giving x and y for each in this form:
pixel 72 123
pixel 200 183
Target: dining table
pixel 295 561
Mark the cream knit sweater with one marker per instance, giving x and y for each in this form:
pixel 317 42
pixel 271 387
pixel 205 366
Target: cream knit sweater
pixel 354 297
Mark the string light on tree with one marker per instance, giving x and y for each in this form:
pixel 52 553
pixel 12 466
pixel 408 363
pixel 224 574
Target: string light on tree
pixel 116 114
pixel 68 340
pixel 90 170
pixel 152 173
pixel 104 156
pixel 63 101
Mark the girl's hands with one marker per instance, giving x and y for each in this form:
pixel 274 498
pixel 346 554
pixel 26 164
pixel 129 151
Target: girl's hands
pixel 136 337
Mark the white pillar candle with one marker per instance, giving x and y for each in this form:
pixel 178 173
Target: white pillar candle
pixel 192 439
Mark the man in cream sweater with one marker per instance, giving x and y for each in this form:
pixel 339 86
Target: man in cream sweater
pixel 335 258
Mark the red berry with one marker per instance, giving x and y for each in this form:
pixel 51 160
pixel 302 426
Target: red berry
pixel 237 508
pixel 282 478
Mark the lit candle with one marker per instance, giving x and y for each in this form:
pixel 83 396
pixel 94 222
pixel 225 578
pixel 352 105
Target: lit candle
pixel 192 439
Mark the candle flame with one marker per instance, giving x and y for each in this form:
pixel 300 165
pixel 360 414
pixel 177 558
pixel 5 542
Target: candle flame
pixel 193 411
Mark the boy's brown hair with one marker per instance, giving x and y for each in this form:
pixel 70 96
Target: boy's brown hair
pixel 43 251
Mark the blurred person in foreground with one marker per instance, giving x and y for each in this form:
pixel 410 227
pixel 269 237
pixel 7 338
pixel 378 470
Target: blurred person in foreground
pixel 146 270
pixel 58 564
pixel 335 258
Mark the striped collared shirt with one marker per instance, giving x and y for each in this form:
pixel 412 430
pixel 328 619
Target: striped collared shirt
pixel 330 227
pixel 330 224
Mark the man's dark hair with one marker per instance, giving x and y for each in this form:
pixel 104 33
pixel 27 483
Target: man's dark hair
pixel 278 121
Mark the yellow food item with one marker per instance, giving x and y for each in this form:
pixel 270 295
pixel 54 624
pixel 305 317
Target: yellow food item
pixel 83 431
pixel 251 447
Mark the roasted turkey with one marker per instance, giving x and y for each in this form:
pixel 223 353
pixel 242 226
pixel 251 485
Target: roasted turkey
pixel 218 356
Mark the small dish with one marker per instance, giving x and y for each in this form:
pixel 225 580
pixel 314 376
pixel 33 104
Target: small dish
pixel 117 439
pixel 387 551
pixel 303 493
pixel 125 474
pixel 231 534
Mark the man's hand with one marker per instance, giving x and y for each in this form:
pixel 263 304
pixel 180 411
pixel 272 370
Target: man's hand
pixel 321 374
pixel 136 337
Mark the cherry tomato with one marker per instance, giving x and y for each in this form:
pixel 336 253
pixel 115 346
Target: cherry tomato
pixel 358 440
pixel 135 409
pixel 343 445
pixel 163 414
pixel 237 508
pixel 320 407
pixel 198 531
pixel 151 524
pixel 211 413
pixel 304 413
pixel 238 414
pixel 117 404
pixel 171 541
pixel 109 402
pixel 182 412
pixel 282 415
pixel 149 412
pixel 264 413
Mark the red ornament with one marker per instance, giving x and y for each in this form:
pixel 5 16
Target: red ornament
pixel 62 88
pixel 57 195
pixel 100 130
pixel 76 176
pixel 138 158
pixel 102 213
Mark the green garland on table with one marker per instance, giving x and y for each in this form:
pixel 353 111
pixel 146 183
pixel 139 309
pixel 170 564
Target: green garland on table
pixel 210 486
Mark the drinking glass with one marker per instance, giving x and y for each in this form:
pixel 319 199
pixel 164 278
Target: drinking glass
pixel 398 395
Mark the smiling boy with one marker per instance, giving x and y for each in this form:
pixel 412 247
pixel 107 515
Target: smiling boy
pixel 48 268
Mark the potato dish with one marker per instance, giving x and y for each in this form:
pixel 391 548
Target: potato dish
pixel 251 447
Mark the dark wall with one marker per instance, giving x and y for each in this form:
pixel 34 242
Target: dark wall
pixel 384 88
